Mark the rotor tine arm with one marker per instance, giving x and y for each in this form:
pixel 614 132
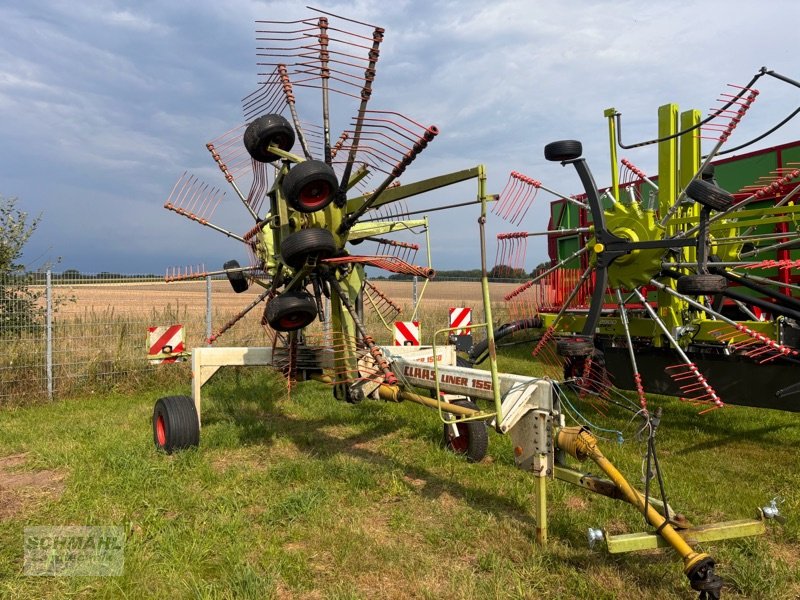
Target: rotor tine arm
pixel 637 377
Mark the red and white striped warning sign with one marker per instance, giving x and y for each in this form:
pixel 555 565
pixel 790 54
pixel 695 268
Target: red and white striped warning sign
pixel 406 333
pixel 460 317
pixel 163 341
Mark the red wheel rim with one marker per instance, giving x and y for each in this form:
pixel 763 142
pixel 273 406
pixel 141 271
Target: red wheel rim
pixel 293 320
pixel 459 444
pixel 315 195
pixel 161 431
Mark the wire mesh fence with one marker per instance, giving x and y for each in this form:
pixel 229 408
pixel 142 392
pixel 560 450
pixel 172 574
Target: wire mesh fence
pixel 69 333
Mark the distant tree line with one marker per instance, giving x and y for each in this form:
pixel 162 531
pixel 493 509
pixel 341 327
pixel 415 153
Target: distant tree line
pixel 496 272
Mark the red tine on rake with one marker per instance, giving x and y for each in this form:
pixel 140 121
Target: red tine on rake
pixel 197 201
pixel 192 198
pixel 387 263
pixel 313 51
pixel 773 184
pixel 724 120
pixel 516 198
pixel 405 251
pixel 695 388
pixel 751 343
pixel 230 154
pixel 187 273
pixel 389 141
pixel 384 306
pixel 511 251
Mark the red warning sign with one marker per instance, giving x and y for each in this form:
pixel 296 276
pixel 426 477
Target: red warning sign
pixel 164 341
pixel 406 333
pixel 462 318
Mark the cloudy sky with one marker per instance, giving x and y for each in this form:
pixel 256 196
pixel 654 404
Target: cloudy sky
pixel 106 103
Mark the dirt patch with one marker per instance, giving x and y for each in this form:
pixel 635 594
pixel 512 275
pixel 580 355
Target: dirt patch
pixel 19 488
pixel 576 503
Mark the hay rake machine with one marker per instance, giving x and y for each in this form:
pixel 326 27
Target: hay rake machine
pixel 311 208
pixel 671 284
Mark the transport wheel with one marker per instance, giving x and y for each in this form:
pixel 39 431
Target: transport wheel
pixel 265 131
pixel 298 246
pixel 309 186
pixel 291 311
pixel 473 436
pixel 237 279
pixel 175 424
pixel 574 346
pixel 709 195
pixel 701 285
pixel 563 150
pixel 575 368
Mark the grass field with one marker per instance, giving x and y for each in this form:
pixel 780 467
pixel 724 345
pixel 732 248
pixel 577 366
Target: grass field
pixel 305 497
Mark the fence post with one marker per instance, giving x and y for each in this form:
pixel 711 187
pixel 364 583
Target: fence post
pixel 49 333
pixel 414 292
pixel 208 306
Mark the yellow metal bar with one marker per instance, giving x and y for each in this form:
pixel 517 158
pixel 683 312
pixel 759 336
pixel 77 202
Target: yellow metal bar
pixel 580 443
pixel 667 157
pixel 540 490
pixel 668 186
pixel 630 542
pixel 610 114
pixel 393 393
pixel 479 416
pixel 690 156
pixel 487 303
pixel 430 266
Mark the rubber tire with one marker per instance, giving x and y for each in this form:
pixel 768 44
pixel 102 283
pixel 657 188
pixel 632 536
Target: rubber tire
pixel 237 280
pixel 291 311
pixel 265 131
pixel 480 351
pixel 298 246
pixel 574 367
pixel 175 424
pixel 701 285
pixel 473 439
pixel 574 346
pixel 709 195
pixel 312 178
pixel 563 150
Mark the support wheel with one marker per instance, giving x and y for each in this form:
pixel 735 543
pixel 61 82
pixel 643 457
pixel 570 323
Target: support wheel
pixel 701 285
pixel 300 245
pixel 576 346
pixel 473 436
pixel 266 131
pixel 597 380
pixel 309 186
pixel 175 424
pixel 709 195
pixel 237 279
pixel 563 150
pixel 291 311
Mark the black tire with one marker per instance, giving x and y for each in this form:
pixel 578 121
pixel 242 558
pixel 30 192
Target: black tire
pixel 265 131
pixel 574 346
pixel 300 245
pixel 480 351
pixel 701 285
pixel 575 366
pixel 473 436
pixel 237 279
pixel 309 186
pixel 175 424
pixel 563 150
pixel 291 311
pixel 709 195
